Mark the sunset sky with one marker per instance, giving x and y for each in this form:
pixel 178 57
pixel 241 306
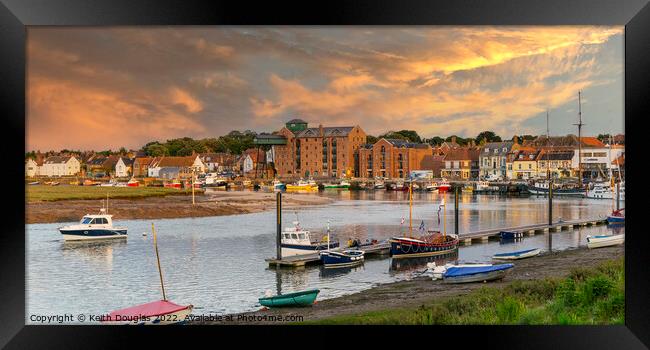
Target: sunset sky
pixel 101 88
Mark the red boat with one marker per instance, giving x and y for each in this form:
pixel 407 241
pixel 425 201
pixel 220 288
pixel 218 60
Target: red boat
pixel 175 184
pixel 443 186
pixel 158 312
pixel 133 183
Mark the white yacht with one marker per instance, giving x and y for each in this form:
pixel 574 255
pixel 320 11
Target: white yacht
pixel 93 227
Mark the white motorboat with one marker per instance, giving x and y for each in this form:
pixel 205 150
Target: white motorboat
pixel 604 241
pixel 93 227
pixel 605 191
pixel 297 241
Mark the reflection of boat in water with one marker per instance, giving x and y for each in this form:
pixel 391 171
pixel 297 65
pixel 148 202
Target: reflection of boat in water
pixel 341 271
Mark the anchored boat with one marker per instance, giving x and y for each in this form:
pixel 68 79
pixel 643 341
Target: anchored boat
pixel 434 243
pixel 522 254
pixel 478 273
pixel 616 217
pixel 604 241
pixel 348 257
pixel 304 298
pixel 94 227
pixel 510 234
pixel 296 241
pixel 303 185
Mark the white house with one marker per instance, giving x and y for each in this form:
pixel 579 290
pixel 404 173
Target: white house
pixel 60 166
pixel 32 168
pixel 123 167
pixel 247 163
pixel 183 165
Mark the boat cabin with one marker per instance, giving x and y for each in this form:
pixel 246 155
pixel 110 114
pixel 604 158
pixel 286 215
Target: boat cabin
pixel 95 220
pixel 296 235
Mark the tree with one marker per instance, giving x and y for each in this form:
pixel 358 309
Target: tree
pixel 371 139
pixel 487 136
pixel 407 135
pixel 435 141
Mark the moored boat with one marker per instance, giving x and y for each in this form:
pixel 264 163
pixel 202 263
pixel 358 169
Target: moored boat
pixel 510 234
pixel 542 188
pixel 133 183
pixel 616 217
pixel 605 241
pixel 297 241
pixel 522 254
pixel 303 185
pixel 93 227
pixel 444 186
pixel 348 257
pixel 160 312
pixel 477 273
pixel 304 298
pixel 379 185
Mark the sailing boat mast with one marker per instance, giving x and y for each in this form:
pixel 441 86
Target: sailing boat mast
pixel 155 243
pixel 410 209
pixel 579 140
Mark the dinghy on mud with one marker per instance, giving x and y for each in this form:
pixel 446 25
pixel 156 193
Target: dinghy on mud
pixel 522 254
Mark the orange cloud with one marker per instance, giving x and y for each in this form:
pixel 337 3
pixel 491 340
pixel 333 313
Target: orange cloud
pixel 182 97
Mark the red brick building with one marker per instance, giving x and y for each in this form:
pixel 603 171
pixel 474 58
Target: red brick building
pixel 393 158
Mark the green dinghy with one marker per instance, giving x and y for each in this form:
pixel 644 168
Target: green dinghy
pixel 304 298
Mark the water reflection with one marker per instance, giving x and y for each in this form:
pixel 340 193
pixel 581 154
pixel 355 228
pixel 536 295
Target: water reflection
pixel 217 263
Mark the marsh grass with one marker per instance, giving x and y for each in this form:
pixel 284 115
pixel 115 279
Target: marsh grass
pixel 41 193
pixel 588 296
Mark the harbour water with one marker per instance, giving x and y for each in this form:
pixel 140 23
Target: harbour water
pixel 217 263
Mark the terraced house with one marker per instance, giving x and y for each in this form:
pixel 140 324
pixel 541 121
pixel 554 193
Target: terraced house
pixel 492 160
pixel 461 163
pixel 318 152
pixel 394 158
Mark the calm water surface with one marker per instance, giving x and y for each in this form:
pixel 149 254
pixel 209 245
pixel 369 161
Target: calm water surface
pixel 217 263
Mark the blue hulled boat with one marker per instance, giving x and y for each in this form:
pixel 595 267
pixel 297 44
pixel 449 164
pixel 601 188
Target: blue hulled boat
pixel 616 217
pixel 510 234
pixel 93 227
pixel 478 273
pixel 345 258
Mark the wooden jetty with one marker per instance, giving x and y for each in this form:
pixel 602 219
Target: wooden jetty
pixel 530 230
pixel 314 259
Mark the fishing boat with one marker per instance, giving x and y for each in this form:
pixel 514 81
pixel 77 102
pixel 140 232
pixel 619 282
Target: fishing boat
pixel 510 234
pixel 297 241
pixel 475 273
pixel 542 188
pixel 616 217
pixel 379 185
pixel 604 241
pixel 160 312
pixel 304 298
pixel 444 186
pixel 431 186
pixel 345 258
pixel 133 183
pixel 94 227
pixel 605 191
pixel 214 180
pixel 522 254
pixel 344 184
pixel 303 185
pixel 433 243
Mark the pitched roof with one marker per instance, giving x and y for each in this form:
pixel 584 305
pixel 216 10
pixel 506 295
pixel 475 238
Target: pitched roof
pixel 407 144
pixel 57 159
pixel 591 142
pixel 329 131
pixel 463 153
pixel 175 162
pixel 564 141
pixel 255 156
pixel 141 161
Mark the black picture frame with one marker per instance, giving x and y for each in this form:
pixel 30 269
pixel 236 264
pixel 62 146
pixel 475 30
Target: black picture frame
pixel 15 15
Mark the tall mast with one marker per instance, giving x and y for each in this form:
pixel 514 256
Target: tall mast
pixel 410 209
pixel 548 140
pixel 579 140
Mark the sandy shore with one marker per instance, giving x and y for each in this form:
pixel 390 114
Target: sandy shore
pixel 210 204
pixel 420 290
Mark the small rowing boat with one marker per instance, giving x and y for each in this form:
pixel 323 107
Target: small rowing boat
pixel 304 298
pixel 604 241
pixel 478 273
pixel 616 217
pixel 522 254
pixel 348 257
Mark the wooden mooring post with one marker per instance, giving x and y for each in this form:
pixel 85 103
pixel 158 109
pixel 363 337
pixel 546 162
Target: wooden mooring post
pixel 456 211
pixel 550 214
pixel 278 237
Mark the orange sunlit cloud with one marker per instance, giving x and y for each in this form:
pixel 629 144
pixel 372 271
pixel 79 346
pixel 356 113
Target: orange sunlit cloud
pixel 204 82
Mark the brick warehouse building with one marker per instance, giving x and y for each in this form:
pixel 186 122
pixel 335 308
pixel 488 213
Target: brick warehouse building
pixel 394 158
pixel 320 151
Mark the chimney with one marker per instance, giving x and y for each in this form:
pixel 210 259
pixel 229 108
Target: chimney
pixel 320 130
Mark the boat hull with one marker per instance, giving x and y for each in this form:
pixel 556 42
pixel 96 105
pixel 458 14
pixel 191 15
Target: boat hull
pixel 341 259
pixel 92 234
pixel 400 248
pixel 605 241
pixel 479 277
pixel 518 255
pixel 165 318
pixel 615 219
pixel 305 298
pixel 556 192
pixel 297 249
pixel 510 235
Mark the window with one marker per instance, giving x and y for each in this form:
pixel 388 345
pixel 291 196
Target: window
pixel 86 221
pixel 294 236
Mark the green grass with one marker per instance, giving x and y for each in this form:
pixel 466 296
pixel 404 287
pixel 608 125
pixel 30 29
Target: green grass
pixel 66 192
pixel 588 296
